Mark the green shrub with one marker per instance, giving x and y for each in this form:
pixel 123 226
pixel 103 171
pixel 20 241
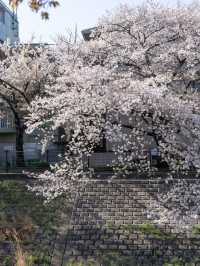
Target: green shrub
pixel 196 229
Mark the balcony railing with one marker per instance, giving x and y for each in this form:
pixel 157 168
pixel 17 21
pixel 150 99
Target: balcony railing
pixel 7 125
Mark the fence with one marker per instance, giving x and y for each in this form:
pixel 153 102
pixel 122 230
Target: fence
pixel 33 158
pixel 30 158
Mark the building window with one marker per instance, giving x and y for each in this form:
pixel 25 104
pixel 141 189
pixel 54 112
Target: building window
pixel 2 15
pixel 153 152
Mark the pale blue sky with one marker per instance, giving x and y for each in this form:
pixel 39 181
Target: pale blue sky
pixel 83 13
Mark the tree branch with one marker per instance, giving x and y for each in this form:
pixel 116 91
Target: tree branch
pixel 12 87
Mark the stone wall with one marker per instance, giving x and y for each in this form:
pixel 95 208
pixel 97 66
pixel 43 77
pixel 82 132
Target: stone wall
pixel 110 216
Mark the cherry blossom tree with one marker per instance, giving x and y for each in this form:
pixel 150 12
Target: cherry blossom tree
pixel 24 70
pixel 177 206
pixel 135 84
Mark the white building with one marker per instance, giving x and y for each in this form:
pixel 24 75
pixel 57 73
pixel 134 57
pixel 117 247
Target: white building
pixel 9 28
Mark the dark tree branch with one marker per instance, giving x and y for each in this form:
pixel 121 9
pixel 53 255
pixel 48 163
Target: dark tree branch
pixel 9 86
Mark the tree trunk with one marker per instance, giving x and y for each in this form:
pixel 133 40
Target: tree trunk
pixel 19 145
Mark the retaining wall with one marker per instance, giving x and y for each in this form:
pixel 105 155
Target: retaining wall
pixel 110 216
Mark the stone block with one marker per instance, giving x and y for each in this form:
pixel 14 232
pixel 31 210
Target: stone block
pixel 103 247
pixel 122 247
pixel 114 247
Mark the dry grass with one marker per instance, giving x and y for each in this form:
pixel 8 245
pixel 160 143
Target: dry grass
pixel 19 254
pixel 21 257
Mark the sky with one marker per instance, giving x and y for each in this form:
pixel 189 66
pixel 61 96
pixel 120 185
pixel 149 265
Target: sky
pixel 83 13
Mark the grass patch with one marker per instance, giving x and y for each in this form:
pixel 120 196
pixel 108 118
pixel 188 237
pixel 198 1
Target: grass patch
pixel 27 225
pixel 107 259
pixel 196 229
pixel 145 228
pixel 116 259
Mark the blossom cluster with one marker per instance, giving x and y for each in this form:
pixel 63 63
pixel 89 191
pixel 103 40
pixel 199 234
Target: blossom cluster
pixel 135 84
